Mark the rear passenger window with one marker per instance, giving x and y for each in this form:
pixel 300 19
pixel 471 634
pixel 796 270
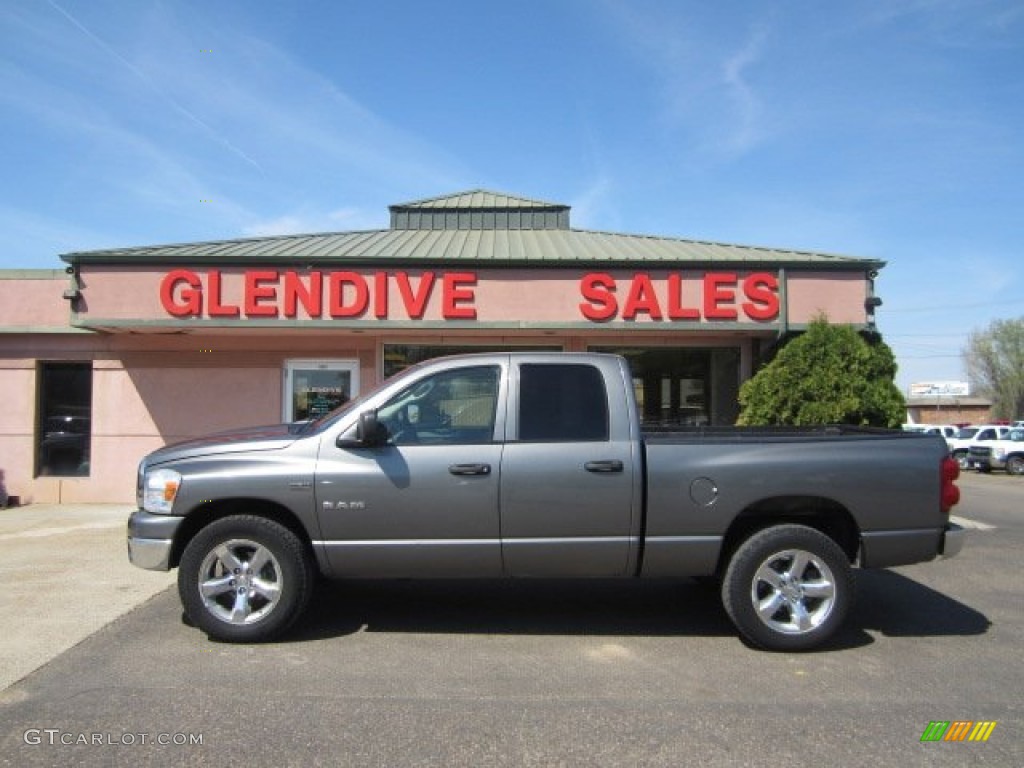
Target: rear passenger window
pixel 562 403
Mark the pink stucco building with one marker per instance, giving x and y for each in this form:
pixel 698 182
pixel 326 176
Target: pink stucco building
pixel 125 350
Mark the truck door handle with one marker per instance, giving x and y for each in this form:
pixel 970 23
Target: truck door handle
pixel 613 465
pixel 470 469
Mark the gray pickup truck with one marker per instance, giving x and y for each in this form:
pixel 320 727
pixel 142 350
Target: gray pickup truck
pixel 535 465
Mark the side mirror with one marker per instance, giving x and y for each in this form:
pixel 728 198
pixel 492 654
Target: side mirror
pixel 370 432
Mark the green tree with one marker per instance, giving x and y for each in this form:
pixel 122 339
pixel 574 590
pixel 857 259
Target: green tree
pixel 994 359
pixel 831 374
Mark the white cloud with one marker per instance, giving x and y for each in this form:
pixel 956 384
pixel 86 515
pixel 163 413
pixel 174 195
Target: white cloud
pixel 975 24
pixel 123 125
pixel 704 74
pixel 343 219
pixel 24 232
pixel 748 127
pixel 592 204
pixel 149 83
pixel 284 116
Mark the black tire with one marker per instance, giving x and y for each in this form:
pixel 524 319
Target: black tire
pixel 245 579
pixel 961 459
pixel 1015 465
pixel 788 588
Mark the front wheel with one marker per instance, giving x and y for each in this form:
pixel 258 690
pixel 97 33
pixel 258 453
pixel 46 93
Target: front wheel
pixel 244 579
pixel 1015 465
pixel 788 588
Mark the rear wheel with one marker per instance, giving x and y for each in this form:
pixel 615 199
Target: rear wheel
pixel 788 588
pixel 244 579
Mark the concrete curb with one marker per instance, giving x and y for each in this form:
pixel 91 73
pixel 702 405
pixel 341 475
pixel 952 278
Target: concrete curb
pixel 65 574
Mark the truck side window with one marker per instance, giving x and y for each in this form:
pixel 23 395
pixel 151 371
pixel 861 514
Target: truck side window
pixel 562 403
pixel 449 408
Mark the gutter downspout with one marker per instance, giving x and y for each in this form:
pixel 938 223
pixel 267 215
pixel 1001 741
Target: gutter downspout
pixel 783 305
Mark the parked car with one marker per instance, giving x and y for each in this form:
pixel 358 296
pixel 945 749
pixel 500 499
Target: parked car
pixel 981 435
pixel 64 448
pixel 947 431
pixel 535 465
pixel 1006 453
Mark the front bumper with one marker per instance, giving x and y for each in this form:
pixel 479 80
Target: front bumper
pixel 982 465
pixel 952 541
pixel 151 540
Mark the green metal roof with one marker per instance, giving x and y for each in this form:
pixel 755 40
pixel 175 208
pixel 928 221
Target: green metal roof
pixel 481 199
pixel 479 209
pixel 477 228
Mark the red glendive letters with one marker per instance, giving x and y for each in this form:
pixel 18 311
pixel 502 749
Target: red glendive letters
pixel 272 293
pixel 342 294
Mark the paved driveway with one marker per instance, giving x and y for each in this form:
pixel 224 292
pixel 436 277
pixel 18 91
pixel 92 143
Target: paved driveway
pixel 542 673
pixel 65 574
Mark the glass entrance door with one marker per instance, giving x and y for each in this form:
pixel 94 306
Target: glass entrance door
pixel 313 388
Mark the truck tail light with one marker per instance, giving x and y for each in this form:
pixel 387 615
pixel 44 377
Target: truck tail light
pixel 950 494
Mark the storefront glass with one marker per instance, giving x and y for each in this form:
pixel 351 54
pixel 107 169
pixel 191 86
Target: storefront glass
pixel 683 387
pixel 398 357
pixel 314 388
pixel 64 435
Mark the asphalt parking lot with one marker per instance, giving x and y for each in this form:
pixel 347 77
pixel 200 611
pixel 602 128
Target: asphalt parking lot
pixel 536 673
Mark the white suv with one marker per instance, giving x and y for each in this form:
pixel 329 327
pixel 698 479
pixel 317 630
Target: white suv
pixel 948 431
pixel 980 436
pixel 1007 453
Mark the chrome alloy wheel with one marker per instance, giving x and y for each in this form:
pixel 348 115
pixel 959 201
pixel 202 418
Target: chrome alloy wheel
pixel 240 581
pixel 793 591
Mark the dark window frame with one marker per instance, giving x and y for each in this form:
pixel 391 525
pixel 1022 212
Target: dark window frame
pixel 63 434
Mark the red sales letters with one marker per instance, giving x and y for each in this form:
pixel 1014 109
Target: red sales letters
pixel 400 295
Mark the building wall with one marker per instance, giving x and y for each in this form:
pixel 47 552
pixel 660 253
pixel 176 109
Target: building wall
pixel 950 412
pixel 701 298
pixel 32 300
pixel 147 391
pixel 151 390
pixel 157 379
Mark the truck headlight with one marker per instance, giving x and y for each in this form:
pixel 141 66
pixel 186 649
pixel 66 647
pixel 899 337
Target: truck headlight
pixel 160 488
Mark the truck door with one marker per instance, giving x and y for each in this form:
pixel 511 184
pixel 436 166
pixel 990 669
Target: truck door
pixel 569 477
pixel 425 504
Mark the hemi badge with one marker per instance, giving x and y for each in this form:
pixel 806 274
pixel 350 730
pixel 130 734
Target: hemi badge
pixel 300 485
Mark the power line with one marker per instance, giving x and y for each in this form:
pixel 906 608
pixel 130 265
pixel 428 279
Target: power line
pixel 947 307
pixel 925 335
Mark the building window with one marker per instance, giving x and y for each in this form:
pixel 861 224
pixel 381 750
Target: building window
pixel 683 387
pixel 64 436
pixel 398 357
pixel 314 388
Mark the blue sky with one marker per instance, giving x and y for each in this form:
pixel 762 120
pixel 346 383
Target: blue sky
pixel 890 129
